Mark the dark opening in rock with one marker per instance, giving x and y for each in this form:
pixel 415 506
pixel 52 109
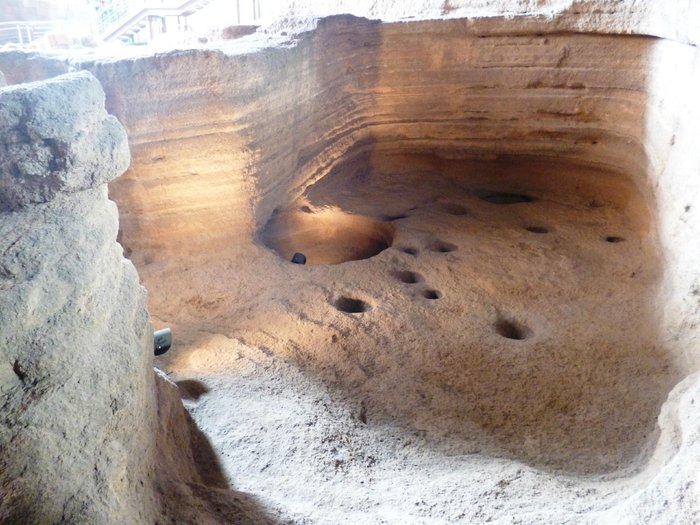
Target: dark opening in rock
pixel 392 218
pixel 512 330
pixel 351 305
pixel 537 229
pixel 432 294
pixel 17 369
pixel 498 197
pixel 441 246
pixel 408 277
pixel 614 239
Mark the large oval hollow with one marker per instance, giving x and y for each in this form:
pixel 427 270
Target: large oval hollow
pixel 328 236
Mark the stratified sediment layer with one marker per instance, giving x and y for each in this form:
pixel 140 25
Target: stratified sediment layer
pixel 535 306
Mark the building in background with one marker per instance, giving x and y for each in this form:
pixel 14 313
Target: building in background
pixel 24 22
pixel 53 23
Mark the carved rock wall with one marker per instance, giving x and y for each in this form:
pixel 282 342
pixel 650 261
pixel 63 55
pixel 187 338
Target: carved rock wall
pixel 256 128
pixel 221 139
pixel 355 97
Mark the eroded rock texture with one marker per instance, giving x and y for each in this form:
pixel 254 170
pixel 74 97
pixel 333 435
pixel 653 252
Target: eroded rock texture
pixel 521 343
pixel 472 334
pixel 57 139
pixel 78 426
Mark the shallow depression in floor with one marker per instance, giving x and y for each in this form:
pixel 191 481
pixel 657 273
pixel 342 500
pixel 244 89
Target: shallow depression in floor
pixel 510 363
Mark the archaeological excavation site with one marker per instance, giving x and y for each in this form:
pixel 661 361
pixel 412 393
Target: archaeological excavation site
pixel 422 263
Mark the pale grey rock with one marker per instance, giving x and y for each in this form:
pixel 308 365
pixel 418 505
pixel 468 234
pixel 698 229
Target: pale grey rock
pixel 57 137
pixel 88 433
pixel 76 386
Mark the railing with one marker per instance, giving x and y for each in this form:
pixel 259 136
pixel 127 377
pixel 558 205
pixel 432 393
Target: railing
pixel 112 21
pixel 112 15
pixel 25 32
pixel 128 13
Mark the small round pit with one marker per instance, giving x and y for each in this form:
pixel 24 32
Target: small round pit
pixel 350 305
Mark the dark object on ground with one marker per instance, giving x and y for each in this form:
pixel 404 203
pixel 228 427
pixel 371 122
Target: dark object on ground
pixel 299 258
pixel 162 339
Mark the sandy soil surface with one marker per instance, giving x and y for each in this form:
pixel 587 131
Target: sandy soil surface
pixel 503 348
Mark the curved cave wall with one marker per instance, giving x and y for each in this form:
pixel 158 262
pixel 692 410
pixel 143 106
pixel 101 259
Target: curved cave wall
pixel 260 125
pixel 570 355
pixel 223 141
pixel 256 127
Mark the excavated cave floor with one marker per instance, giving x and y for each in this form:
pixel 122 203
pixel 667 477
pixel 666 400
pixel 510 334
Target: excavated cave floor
pixel 498 346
